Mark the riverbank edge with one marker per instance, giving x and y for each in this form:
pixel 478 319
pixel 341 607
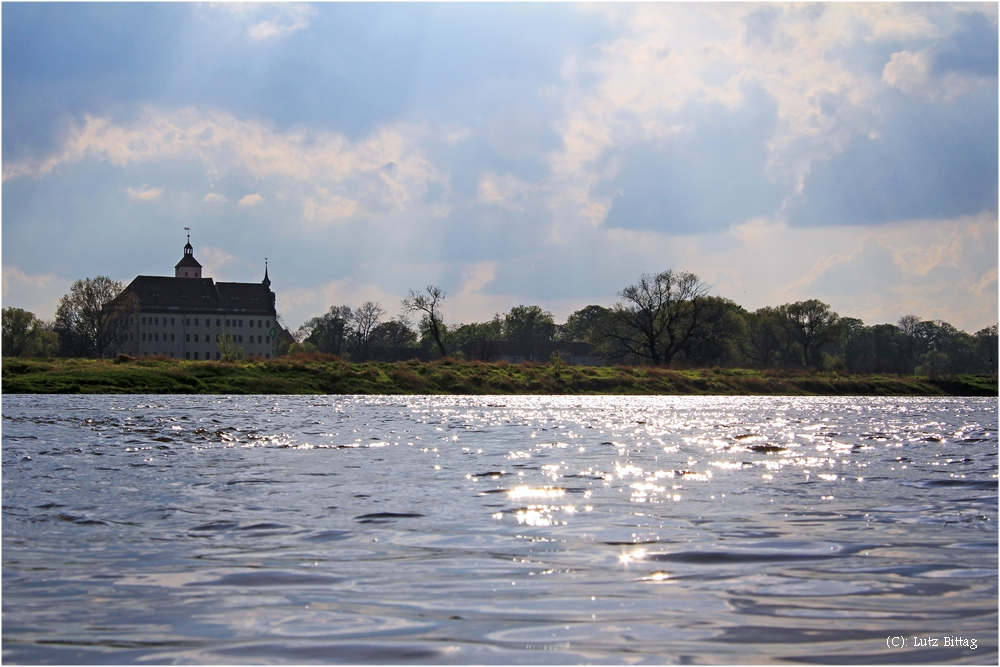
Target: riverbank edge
pixel 315 374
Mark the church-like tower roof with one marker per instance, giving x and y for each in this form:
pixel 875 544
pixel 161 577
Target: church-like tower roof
pixel 188 258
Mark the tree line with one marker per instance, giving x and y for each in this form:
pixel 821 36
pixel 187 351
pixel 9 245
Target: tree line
pixel 664 319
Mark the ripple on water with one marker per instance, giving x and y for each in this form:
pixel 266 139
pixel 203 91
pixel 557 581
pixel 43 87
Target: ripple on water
pixel 470 530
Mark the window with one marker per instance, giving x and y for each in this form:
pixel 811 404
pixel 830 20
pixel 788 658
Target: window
pixel 195 355
pixel 241 339
pixel 171 338
pixel 258 323
pixel 156 337
pixel 143 337
pixel 188 339
pixel 171 355
pixel 157 320
pixel 171 321
pixel 251 323
pixel 217 323
pixel 187 322
pixel 196 321
pixel 241 323
pixel 187 355
pixel 267 355
pixel 196 339
pixel 269 323
pixel 144 320
pixel 228 324
pixel 216 338
pixel 217 356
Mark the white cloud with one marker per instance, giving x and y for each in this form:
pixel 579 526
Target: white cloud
pixel 145 193
pixel 912 74
pixel 671 58
pixel 215 198
pixel 298 304
pixel 506 191
pixel 251 200
pixel 214 261
pixel 934 268
pixel 455 135
pixel 328 207
pixel 36 293
pixel 384 171
pixel 294 18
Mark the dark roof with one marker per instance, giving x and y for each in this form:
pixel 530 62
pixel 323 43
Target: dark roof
pixel 187 260
pixel 189 295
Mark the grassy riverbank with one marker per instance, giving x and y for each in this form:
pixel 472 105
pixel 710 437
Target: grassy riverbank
pixel 318 375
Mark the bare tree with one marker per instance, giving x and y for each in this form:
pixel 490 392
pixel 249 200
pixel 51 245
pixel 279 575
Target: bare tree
pixel 96 315
pixel 429 303
pixel 364 321
pixel 659 314
pixel 909 324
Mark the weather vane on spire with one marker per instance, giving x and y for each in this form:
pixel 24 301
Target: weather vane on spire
pixel 188 230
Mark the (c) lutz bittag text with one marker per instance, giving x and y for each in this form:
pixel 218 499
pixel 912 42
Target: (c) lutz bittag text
pixel 927 641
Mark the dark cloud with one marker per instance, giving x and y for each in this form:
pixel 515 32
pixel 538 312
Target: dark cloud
pixel 704 178
pixel 971 49
pixel 932 160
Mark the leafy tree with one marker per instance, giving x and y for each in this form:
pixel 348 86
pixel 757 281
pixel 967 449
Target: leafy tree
pixel 20 327
pixel 933 362
pixel 986 350
pixel 93 318
pixel 530 329
pixel 812 325
pixel 765 342
pixel 328 333
pixel 590 324
pixel 227 345
pixel 877 349
pixel 925 336
pixel 586 325
pixel 390 340
pixel 428 302
pixel 716 343
pixel 657 316
pixel 45 342
pixel 478 340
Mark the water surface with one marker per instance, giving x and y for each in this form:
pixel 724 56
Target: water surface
pixel 531 530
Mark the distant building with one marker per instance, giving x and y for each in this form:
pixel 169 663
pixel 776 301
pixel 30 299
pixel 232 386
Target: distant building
pixel 183 317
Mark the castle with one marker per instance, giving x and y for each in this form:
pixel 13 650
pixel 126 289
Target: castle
pixel 184 317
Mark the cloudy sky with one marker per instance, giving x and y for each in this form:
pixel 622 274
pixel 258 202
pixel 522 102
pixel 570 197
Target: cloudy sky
pixel 510 153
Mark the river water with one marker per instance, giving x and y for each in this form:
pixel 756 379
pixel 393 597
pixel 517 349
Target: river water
pixel 512 530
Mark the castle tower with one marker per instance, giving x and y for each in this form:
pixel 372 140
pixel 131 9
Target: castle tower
pixel 188 267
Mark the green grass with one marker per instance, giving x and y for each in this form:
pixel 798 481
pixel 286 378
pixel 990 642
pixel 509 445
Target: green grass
pixel 320 374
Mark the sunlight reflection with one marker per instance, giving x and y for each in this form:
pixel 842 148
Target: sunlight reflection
pixel 522 492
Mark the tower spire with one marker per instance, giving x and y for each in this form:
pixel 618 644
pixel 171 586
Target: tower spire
pixel 266 281
pixel 188 267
